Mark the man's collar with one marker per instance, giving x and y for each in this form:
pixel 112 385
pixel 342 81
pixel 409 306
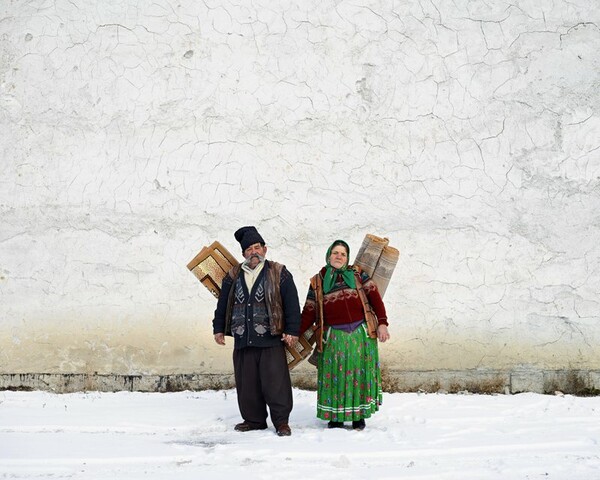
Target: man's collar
pixel 258 268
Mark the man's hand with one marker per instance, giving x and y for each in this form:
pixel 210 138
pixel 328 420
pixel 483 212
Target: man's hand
pixel 290 340
pixel 220 338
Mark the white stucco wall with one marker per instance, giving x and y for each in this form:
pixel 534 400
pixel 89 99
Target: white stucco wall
pixel 134 133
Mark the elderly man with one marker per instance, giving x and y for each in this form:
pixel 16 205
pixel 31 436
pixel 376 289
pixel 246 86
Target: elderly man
pixel 258 306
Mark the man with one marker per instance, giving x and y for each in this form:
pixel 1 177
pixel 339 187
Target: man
pixel 258 306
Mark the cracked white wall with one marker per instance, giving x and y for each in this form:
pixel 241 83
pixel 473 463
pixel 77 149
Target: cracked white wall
pixel 131 135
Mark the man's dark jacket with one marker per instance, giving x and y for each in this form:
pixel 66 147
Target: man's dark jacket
pixel 248 314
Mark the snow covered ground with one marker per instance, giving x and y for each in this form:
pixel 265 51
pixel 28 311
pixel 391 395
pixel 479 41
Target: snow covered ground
pixel 189 435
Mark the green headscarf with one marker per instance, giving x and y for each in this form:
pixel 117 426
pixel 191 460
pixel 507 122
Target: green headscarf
pixel 332 273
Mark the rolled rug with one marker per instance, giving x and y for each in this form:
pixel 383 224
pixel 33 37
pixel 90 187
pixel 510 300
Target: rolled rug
pixel 385 268
pixel 369 253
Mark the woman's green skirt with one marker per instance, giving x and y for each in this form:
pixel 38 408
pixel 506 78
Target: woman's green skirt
pixel 349 379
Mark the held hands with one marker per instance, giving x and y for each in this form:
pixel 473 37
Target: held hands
pixel 290 340
pixel 382 333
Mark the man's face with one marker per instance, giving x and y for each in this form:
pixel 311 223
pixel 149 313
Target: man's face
pixel 254 254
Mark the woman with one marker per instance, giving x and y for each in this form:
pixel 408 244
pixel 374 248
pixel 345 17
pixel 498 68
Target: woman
pixel 349 379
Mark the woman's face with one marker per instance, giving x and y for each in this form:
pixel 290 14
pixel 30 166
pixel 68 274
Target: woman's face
pixel 338 256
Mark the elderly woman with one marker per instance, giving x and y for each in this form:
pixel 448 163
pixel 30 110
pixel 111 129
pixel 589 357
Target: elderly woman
pixel 349 378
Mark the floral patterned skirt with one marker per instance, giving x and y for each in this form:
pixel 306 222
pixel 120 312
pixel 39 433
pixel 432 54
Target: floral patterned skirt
pixel 349 378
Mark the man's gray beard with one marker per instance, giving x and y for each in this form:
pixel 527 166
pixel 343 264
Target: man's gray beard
pixel 254 255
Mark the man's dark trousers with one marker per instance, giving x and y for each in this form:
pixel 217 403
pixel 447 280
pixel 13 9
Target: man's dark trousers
pixel 262 379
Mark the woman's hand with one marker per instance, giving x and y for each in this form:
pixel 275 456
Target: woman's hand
pixel 382 333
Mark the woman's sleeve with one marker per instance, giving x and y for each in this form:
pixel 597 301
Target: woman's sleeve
pixel 309 311
pixel 374 298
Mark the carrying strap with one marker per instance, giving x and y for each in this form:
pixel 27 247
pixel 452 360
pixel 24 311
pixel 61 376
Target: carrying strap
pixel 363 296
pixel 316 283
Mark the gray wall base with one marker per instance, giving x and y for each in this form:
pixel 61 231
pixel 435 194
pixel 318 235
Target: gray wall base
pixel 578 382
